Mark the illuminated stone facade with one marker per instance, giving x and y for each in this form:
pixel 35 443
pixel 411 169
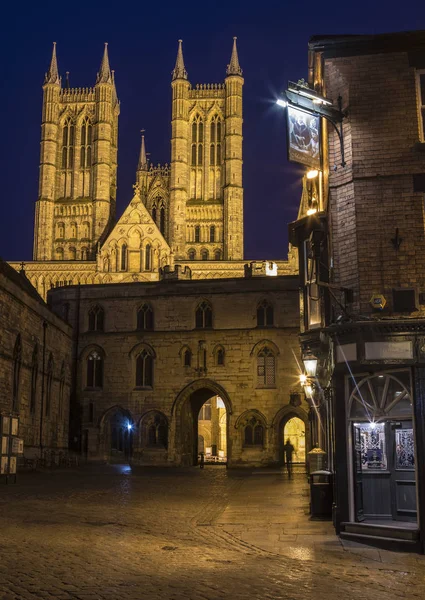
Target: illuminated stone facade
pixel 188 211
pixel 150 355
pixel 26 344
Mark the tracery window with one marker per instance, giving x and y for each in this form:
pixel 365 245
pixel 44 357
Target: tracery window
pixel 205 412
pixel 197 141
pixel 144 369
pixel 215 139
pixel 162 220
pixel 68 145
pixel 155 428
pixel 266 365
pixel 145 318
pixel 203 315
pixel 49 382
pixel 86 143
pixel 34 377
pixel 264 314
pixel 96 318
pixel 94 370
pixel 17 361
pixel 253 432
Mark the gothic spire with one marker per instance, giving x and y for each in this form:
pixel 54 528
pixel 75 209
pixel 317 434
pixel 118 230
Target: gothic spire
pixel 143 163
pixel 52 75
pixel 179 71
pixel 233 68
pixel 104 75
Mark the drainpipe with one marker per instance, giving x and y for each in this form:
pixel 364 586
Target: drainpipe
pixel 42 388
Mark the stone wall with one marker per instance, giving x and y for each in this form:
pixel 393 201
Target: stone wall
pixel 22 314
pixel 178 391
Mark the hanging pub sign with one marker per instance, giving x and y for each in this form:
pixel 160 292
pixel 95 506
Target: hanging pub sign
pixel 303 137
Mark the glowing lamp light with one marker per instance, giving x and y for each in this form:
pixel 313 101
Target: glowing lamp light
pixel 303 379
pixel 271 269
pixel 311 211
pixel 373 425
pixel 310 365
pixel 308 390
pixel 312 174
pixel 129 426
pixel 281 103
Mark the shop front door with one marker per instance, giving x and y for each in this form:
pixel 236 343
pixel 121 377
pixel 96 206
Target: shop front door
pixel 402 468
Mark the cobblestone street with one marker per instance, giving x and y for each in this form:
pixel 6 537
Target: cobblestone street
pixel 110 533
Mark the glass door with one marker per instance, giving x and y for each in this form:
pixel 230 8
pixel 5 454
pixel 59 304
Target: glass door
pixel 402 467
pixel 358 476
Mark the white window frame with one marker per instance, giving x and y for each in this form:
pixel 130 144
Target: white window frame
pixel 421 104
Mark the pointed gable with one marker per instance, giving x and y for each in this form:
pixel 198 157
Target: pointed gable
pixel 135 244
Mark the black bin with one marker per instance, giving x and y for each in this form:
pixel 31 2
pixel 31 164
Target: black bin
pixel 321 494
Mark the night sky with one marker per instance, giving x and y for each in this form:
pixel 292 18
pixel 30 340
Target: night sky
pixel 142 36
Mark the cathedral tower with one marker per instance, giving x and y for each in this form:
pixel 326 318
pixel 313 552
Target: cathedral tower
pixel 206 193
pixel 77 190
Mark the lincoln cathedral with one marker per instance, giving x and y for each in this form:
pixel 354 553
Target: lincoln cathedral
pixel 168 363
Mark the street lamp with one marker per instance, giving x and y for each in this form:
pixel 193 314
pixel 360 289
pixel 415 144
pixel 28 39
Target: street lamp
pixel 310 364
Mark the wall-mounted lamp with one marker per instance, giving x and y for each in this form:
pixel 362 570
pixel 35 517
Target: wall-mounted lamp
pixel 312 174
pixel 310 364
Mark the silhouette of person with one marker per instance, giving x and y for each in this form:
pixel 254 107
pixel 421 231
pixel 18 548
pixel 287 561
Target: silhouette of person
pixel 288 450
pixel 202 461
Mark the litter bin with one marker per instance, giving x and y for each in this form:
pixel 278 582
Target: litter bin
pixel 321 494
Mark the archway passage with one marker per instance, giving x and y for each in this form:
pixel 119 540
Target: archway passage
pixel 294 430
pixel 204 428
pixel 117 436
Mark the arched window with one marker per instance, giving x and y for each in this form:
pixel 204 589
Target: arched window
pixel 220 356
pixel 74 231
pixel 86 141
pixel 86 230
pixel 17 361
pixel 154 213
pixel 59 253
pixel 192 254
pixel 67 145
pixel 212 233
pixel 218 154
pixel 94 370
pixel 72 253
pixel 60 231
pixel 145 318
pixel 187 358
pixel 200 153
pixel 96 318
pixel 212 134
pixel 124 257
pixel 144 369
pixel 197 233
pixel 194 132
pixel 155 430
pixel 253 433
pixel 34 377
pixel 217 255
pixel 49 382
pixel 266 365
pixel 204 254
pixel 212 155
pixel 265 314
pixel 162 220
pixel 84 253
pixel 203 315
pixel 193 155
pixel 148 257
pixel 215 139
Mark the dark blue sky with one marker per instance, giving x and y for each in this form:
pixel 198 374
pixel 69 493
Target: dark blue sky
pixel 142 36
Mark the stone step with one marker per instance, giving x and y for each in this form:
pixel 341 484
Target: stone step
pixel 386 543
pixel 381 530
